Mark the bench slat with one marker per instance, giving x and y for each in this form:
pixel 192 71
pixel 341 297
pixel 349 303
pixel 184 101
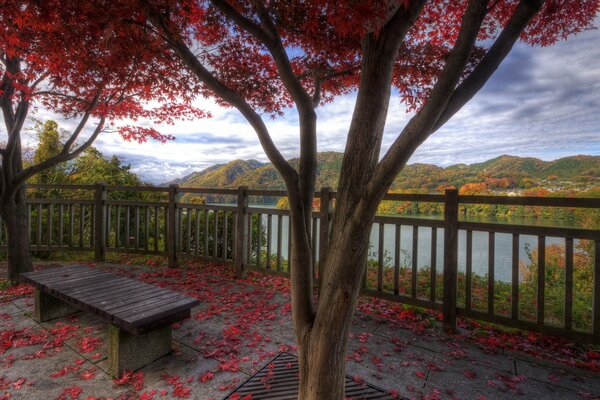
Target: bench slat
pixel 139 320
pixel 84 282
pixel 118 292
pixel 146 305
pixel 127 297
pixel 64 277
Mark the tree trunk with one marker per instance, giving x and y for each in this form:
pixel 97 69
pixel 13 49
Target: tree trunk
pixel 322 354
pixel 14 213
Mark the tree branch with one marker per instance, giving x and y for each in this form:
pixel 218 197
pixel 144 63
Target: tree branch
pixel 64 155
pixel 419 127
pixel 245 23
pixel 525 10
pixel 227 94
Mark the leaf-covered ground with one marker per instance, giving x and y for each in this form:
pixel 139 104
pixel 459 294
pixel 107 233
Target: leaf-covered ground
pixel 241 325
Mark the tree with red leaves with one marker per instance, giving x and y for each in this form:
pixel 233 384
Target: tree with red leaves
pixel 75 62
pixel 262 57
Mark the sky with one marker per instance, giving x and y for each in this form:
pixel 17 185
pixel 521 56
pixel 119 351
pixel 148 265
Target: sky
pixel 541 102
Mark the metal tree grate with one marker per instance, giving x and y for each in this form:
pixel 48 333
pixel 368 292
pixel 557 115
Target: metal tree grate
pixel 278 380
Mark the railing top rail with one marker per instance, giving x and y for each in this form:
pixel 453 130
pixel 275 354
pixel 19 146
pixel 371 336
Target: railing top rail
pixel 211 207
pixel 552 231
pixel 57 186
pixel 571 202
pixel 232 192
pixel 578 202
pixel 260 192
pixel 60 201
pixel 428 198
pixel 125 188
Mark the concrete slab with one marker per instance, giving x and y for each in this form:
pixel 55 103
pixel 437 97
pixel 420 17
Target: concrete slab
pixel 560 377
pixel 238 327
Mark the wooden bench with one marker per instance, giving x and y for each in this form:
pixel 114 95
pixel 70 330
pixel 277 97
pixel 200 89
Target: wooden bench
pixel 139 315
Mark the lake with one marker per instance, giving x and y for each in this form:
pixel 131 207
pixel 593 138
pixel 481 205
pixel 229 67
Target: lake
pixel 503 244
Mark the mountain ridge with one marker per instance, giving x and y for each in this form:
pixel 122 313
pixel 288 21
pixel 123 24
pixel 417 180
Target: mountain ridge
pixel 504 172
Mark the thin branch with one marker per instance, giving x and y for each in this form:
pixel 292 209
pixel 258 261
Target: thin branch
pixel 63 156
pixel 38 80
pixel 245 23
pixel 419 127
pixel 227 94
pixel 316 98
pixel 491 61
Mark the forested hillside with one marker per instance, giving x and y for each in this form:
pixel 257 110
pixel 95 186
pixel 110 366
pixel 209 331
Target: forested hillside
pixel 504 174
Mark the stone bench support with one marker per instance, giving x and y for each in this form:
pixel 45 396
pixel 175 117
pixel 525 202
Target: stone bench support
pixel 128 352
pixel 48 307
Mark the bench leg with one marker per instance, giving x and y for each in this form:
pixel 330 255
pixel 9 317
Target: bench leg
pixel 48 307
pixel 128 352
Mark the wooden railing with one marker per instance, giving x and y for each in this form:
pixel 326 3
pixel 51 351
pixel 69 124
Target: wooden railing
pixel 426 262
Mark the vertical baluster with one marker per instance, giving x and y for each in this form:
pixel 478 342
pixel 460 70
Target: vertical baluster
pixel 38 230
pixel 541 295
pixel 206 222
pixel 180 236
pixel 269 237
pixel 127 225
pixel 569 283
pixel 258 239
pixel 60 224
pixel 313 239
pixel 137 227
pixel 234 236
pixel 224 233
pixel 197 233
pixel 415 260
pixel 491 271
pixel 81 224
pixel 250 234
pixel 118 241
pixel 49 213
pixel 215 234
pixel 147 229
pixel 107 231
pixel 397 253
pixel 596 305
pixel 71 222
pixel 156 236
pixel 279 238
pixel 515 277
pixel 469 271
pixel 28 221
pixel 166 229
pixel 189 232
pixel 289 243
pixel 380 259
pixel 433 271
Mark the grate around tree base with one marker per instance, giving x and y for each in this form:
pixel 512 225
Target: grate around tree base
pixel 278 380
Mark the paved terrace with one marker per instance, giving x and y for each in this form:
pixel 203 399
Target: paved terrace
pixel 241 325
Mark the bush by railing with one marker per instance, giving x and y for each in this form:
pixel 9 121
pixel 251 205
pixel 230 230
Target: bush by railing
pixel 554 272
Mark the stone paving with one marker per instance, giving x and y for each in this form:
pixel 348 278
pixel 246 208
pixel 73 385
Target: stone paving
pixel 409 365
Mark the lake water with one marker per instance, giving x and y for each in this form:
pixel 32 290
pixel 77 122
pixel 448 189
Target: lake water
pixel 503 245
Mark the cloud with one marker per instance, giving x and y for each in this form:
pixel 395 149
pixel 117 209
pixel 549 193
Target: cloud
pixel 542 102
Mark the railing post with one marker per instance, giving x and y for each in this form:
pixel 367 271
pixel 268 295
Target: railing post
pixel 450 259
pixel 172 227
pixel 241 233
pixel 324 217
pixel 100 222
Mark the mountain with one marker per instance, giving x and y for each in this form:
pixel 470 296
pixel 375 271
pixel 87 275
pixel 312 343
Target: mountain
pixel 503 173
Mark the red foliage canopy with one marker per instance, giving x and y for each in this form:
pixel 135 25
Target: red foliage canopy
pixel 323 41
pixel 75 59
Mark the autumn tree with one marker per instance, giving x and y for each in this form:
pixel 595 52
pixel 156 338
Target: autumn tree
pixel 73 61
pixel 49 145
pixel 262 57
